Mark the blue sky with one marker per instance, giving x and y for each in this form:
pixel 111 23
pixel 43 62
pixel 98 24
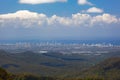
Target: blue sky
pixel 68 8
pixel 59 19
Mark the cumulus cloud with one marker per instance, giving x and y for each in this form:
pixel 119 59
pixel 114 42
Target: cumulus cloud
pixel 84 2
pixel 40 1
pixel 105 18
pixel 94 10
pixel 22 18
pixel 26 19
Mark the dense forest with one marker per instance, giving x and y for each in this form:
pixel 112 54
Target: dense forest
pixel 106 70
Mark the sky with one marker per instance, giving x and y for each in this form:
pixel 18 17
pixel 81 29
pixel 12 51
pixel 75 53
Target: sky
pixel 59 19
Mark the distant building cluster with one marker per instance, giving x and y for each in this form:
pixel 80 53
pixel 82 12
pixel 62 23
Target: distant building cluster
pixel 64 48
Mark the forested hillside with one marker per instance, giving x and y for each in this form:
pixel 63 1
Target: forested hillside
pixel 106 70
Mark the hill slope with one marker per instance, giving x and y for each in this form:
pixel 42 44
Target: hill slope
pixel 57 64
pixel 108 69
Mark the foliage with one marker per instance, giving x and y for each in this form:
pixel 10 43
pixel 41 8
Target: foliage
pixel 57 67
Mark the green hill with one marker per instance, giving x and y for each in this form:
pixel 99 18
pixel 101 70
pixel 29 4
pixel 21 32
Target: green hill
pixel 62 66
pixel 108 69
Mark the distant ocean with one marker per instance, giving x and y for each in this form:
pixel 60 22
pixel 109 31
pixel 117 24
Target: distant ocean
pixel 113 42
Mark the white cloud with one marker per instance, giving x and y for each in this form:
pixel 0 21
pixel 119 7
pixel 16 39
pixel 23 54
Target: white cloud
pixel 40 1
pixel 104 19
pixel 55 20
pixel 26 19
pixel 84 2
pixel 22 18
pixel 94 10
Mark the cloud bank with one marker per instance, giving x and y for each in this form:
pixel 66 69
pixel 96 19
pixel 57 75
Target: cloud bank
pixel 27 19
pixel 40 1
